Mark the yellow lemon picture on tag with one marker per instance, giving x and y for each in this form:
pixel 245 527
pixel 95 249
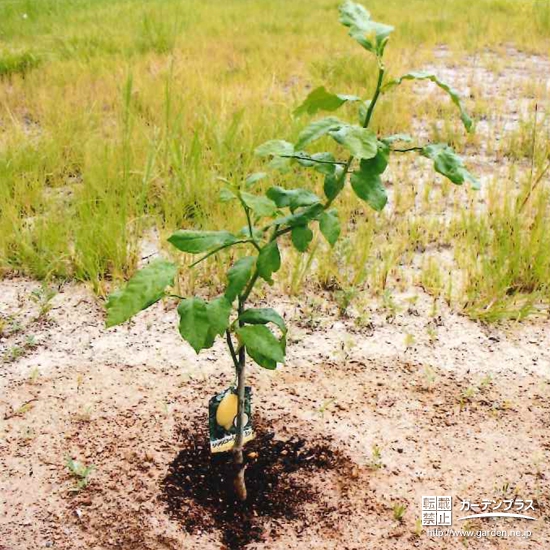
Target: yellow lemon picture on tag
pixel 227 410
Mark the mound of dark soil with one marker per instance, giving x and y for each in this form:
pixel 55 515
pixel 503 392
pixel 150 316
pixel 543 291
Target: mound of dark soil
pixel 199 490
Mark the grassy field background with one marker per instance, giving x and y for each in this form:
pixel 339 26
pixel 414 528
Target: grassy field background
pixel 117 117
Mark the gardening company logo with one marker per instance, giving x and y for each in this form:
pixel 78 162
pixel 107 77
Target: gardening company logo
pixel 437 517
pixel 507 508
pixel 438 510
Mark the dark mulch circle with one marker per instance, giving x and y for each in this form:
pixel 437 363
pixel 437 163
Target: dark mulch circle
pixel 198 488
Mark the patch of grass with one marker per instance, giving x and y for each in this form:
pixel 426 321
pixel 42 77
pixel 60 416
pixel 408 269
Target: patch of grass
pixel 505 256
pixel 541 12
pixel 121 128
pixel 158 33
pixel 20 350
pixel 17 63
pixel 399 512
pixel 431 278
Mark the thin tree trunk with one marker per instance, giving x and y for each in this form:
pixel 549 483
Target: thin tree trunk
pixel 238 459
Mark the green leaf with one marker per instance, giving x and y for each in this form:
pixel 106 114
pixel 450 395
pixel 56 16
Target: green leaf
pixel 292 198
pixel 78 468
pixel 201 322
pixel 334 183
pixel 329 224
pixel 238 276
pixel 453 94
pixel 363 110
pixel 218 312
pixel 368 186
pixel 354 15
pixel 195 242
pixel 279 150
pixel 370 34
pixel 449 164
pixel 316 130
pixel 194 324
pixel 262 316
pixel 321 100
pixel 227 195
pixel 360 142
pixel 379 163
pixel 144 289
pixel 262 360
pixel 374 38
pixel 253 179
pixel 259 340
pixel 301 217
pixel 245 233
pixel 262 206
pixel 324 163
pixel 388 140
pixel 301 237
pixel 274 148
pixel 269 261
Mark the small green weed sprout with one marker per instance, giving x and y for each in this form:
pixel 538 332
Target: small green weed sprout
pixel 43 296
pixel 376 458
pixel 81 472
pixel 399 511
pixel 344 299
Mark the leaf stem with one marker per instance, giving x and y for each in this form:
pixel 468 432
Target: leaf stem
pixel 216 250
pixel 249 223
pixel 408 150
pixel 250 286
pixel 370 110
pixel 298 157
pixel 176 296
pixel 281 232
pixel 368 117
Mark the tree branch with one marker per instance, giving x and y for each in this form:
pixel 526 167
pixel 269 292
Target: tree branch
pixel 368 116
pixel 408 150
pixel 297 157
pixel 249 223
pixel 232 350
pixel 216 250
pixel 240 486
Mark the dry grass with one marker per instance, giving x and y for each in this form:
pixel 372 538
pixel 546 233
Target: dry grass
pixel 108 130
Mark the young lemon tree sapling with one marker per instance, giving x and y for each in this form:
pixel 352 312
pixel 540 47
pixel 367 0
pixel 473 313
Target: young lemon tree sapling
pixel 260 333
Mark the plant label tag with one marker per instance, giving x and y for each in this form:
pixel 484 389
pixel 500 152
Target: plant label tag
pixel 222 419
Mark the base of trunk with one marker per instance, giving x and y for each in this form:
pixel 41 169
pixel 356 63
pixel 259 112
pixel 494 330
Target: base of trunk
pixel 240 484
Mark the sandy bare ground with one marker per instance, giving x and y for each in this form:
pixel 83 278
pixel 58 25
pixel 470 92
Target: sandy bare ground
pixel 465 413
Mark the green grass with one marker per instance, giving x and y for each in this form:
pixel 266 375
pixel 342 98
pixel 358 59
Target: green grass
pixel 19 62
pixel 108 129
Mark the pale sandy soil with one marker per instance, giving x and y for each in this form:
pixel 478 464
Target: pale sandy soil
pixel 466 415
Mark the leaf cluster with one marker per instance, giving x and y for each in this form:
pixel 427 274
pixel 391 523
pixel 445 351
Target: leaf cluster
pixel 358 156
